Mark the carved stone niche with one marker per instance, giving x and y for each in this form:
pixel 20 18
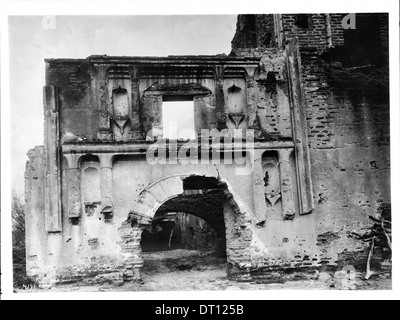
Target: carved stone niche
pixel 90 185
pixel 120 96
pixel 271 176
pixel 120 115
pixel 279 186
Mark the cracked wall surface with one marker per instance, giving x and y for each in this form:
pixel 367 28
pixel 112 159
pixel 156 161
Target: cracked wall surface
pixel 345 80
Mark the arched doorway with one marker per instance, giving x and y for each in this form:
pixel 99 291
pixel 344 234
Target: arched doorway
pixel 208 198
pixel 187 211
pixel 187 237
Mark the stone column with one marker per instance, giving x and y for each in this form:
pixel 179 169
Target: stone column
pixel 74 188
pixel 288 208
pixel 106 180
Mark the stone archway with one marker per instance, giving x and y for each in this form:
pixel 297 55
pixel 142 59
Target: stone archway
pixel 243 248
pixel 152 198
pixel 201 206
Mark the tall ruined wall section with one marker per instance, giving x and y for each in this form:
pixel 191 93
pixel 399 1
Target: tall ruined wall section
pixel 346 91
pixel 35 184
pixel 348 115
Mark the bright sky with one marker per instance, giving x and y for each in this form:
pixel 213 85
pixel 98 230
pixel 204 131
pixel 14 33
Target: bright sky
pixel 33 38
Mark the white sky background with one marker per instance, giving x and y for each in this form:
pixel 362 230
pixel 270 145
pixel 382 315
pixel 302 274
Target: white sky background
pixel 81 36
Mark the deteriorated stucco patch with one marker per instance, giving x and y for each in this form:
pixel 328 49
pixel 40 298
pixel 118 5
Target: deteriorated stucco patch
pixel 327 238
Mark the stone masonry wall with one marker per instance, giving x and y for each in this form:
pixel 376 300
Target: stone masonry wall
pixel 314 36
pixel 347 103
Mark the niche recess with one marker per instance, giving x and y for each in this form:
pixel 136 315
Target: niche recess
pixel 272 180
pixel 120 93
pixel 236 104
pixel 90 184
pixel 120 104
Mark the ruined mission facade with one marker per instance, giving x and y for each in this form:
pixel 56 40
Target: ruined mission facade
pixel 315 97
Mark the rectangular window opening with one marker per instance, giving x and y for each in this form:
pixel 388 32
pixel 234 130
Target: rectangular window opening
pixel 178 120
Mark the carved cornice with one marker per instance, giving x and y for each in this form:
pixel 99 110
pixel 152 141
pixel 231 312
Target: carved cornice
pixel 192 89
pixel 175 60
pixel 141 148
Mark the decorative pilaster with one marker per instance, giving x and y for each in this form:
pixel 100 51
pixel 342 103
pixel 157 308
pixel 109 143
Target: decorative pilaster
pixel 74 188
pixel 258 182
pixel 300 131
pixel 107 205
pixel 328 30
pixel 52 205
pixel 278 30
pixel 105 132
pixel 152 116
pixel 136 128
pixel 220 98
pixel 288 208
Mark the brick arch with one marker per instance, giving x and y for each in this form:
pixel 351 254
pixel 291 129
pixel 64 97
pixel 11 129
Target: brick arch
pixel 201 206
pixel 170 192
pixel 154 196
pixel 244 248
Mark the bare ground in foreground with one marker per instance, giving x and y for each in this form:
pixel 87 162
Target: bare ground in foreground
pixel 189 270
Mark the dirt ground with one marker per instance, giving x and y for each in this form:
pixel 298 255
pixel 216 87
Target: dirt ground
pixel 190 270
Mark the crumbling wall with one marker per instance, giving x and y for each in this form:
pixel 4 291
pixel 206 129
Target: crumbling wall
pixel 77 98
pixel 315 35
pixel 347 107
pixel 90 112
pixel 96 250
pixel 349 132
pixel 246 37
pixel 34 217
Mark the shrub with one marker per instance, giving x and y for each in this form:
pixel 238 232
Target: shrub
pixel 21 280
